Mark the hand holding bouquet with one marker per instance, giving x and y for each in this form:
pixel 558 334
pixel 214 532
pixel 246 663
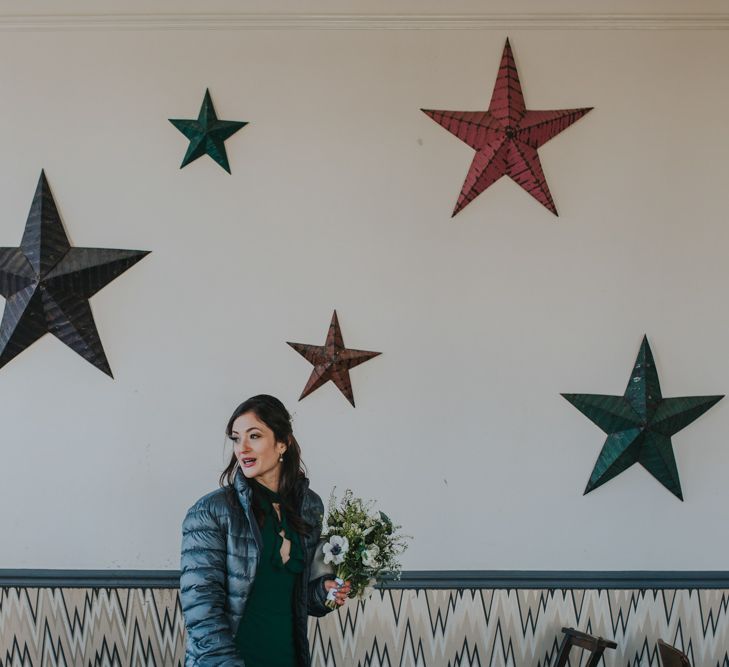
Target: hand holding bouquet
pixel 362 544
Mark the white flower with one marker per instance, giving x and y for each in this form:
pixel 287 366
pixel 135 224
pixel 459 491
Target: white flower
pixel 369 556
pixel 369 588
pixel 335 549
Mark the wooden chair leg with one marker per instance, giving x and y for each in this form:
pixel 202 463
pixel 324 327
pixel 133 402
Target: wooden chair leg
pixel 564 651
pixel 595 657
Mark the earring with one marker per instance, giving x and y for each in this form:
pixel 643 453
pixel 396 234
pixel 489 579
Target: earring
pixel 280 458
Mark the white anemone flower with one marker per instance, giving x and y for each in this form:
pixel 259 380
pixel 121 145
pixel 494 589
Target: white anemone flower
pixel 369 588
pixel 369 556
pixel 335 549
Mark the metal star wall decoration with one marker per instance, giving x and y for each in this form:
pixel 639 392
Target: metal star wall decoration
pixel 640 424
pixel 47 285
pixel 332 361
pixel 506 137
pixel 207 134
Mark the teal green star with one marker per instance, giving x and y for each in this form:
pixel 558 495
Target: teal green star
pixel 207 134
pixel 640 424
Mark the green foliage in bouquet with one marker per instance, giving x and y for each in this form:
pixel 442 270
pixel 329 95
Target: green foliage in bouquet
pixel 362 544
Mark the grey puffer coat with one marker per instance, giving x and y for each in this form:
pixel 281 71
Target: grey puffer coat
pixel 221 544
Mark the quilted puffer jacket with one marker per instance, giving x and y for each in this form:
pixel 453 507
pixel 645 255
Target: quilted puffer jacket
pixel 221 544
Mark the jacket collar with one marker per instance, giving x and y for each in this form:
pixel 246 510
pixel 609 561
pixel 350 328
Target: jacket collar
pixel 242 490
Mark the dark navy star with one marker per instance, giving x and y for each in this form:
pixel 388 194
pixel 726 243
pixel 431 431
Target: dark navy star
pixel 47 285
pixel 207 134
pixel 640 424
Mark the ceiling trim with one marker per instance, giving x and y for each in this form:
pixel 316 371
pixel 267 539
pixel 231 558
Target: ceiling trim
pixel 260 21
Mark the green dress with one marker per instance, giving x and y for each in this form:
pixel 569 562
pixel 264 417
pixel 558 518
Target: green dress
pixel 265 636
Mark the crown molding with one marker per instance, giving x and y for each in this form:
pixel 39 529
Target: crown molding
pixel 261 21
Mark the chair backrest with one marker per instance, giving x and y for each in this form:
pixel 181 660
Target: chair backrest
pixel 671 656
pixel 595 645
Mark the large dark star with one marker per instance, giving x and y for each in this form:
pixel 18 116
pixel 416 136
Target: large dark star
pixel 506 137
pixel 332 361
pixel 640 424
pixel 207 134
pixel 47 285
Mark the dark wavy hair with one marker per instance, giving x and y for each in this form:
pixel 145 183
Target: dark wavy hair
pixel 273 414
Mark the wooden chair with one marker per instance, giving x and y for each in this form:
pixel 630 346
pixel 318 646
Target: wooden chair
pixel 595 645
pixel 671 656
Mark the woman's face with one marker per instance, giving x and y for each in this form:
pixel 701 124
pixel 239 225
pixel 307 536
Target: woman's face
pixel 256 449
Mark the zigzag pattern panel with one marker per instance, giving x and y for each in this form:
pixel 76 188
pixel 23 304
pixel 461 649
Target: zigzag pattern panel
pixel 394 628
pixel 69 627
pixel 519 628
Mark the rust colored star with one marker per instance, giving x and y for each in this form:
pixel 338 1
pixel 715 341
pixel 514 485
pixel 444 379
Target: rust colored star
pixel 506 137
pixel 332 361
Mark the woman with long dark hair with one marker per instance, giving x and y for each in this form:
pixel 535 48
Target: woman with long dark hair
pixel 248 548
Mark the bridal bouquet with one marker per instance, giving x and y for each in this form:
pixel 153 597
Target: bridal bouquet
pixel 362 545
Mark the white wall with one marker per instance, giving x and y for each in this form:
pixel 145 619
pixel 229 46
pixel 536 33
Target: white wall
pixel 340 196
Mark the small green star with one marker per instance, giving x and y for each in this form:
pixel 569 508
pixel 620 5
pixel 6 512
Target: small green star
pixel 640 425
pixel 207 134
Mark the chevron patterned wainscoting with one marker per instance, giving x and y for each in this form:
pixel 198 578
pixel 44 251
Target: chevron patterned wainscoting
pixel 512 626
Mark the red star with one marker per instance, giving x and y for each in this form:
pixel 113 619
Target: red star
pixel 331 361
pixel 506 137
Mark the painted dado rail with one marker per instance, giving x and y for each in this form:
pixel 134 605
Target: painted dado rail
pixel 51 617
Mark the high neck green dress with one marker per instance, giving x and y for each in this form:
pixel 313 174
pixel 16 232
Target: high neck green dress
pixel 265 636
